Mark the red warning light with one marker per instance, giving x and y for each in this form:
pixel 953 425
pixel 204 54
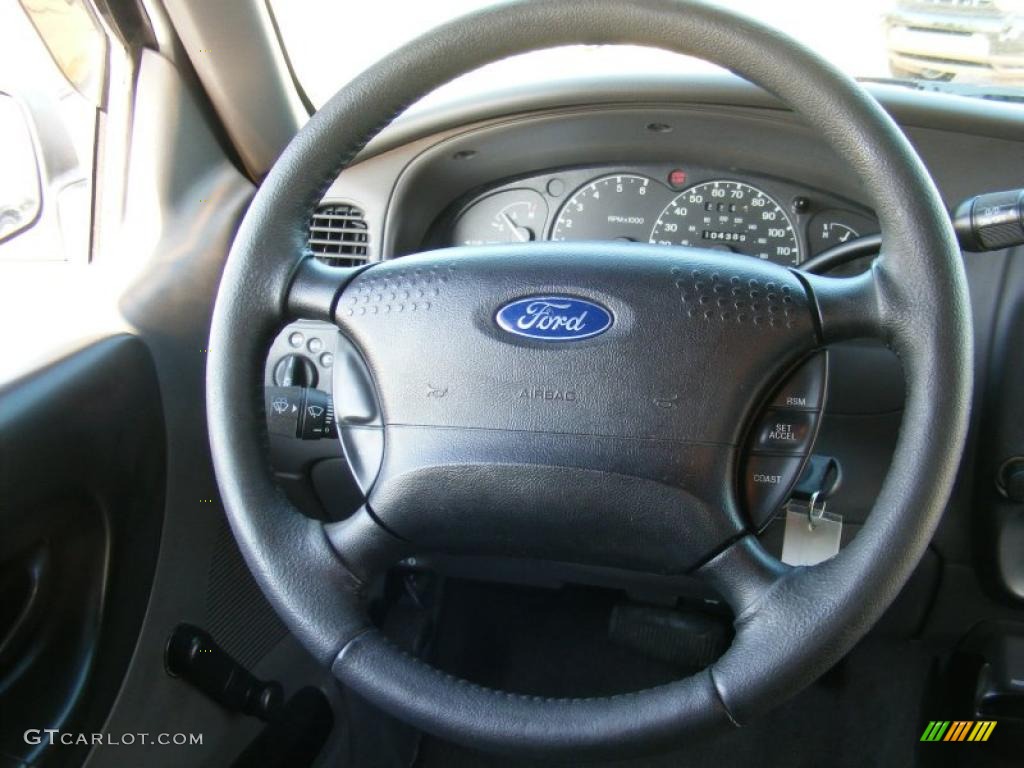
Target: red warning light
pixel 677 178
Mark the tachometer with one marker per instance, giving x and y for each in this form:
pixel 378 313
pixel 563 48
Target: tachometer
pixel 620 206
pixel 732 216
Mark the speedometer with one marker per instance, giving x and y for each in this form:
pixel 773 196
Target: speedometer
pixel 729 215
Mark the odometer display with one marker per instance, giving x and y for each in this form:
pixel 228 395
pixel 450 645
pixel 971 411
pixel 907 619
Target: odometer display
pixel 732 216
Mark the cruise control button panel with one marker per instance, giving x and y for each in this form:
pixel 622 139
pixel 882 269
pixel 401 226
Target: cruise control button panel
pixel 782 439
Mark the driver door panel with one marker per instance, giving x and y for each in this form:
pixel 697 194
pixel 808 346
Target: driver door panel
pixel 82 478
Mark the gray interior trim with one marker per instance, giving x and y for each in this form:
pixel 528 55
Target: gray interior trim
pixel 908 107
pixel 236 53
pixel 174 164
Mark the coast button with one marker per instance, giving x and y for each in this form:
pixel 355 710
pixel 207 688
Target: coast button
pixel 766 482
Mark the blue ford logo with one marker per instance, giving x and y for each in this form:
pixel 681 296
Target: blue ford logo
pixel 554 318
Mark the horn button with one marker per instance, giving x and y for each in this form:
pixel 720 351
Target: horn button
pixel 577 402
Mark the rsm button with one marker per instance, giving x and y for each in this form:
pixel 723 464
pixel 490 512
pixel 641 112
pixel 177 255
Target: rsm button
pixel 805 389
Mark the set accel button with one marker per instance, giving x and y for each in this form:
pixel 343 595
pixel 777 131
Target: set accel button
pixel 785 431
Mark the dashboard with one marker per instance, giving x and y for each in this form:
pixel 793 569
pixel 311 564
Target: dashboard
pixel 664 204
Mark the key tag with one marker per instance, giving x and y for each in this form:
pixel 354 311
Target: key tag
pixel 811 537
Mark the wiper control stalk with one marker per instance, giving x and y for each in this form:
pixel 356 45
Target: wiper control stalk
pixel 990 222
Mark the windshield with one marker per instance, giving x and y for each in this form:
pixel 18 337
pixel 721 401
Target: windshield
pixel 972 47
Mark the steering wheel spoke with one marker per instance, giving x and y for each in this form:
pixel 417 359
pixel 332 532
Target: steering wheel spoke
pixel 365 547
pixel 743 574
pixel 848 307
pixel 316 288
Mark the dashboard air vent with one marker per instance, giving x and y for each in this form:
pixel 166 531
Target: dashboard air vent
pixel 338 235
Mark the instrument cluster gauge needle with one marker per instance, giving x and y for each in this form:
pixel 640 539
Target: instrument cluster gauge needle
pixel 522 234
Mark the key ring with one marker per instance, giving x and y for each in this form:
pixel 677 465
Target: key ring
pixel 814 516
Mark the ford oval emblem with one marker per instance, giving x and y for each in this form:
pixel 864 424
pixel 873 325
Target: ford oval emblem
pixel 554 318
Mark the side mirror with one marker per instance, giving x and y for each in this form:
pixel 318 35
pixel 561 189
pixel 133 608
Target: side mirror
pixel 20 182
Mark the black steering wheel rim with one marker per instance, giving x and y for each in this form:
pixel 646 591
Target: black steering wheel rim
pixel 792 624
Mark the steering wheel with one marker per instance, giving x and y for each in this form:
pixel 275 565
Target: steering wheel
pixel 609 481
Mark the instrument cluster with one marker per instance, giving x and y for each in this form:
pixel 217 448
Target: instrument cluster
pixel 742 213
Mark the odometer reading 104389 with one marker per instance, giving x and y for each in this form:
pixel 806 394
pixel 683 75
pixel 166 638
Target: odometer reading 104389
pixel 729 215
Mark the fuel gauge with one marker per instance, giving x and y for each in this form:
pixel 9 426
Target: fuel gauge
pixel 512 216
pixel 835 227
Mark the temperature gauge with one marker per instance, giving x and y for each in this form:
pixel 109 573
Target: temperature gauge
pixel 512 216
